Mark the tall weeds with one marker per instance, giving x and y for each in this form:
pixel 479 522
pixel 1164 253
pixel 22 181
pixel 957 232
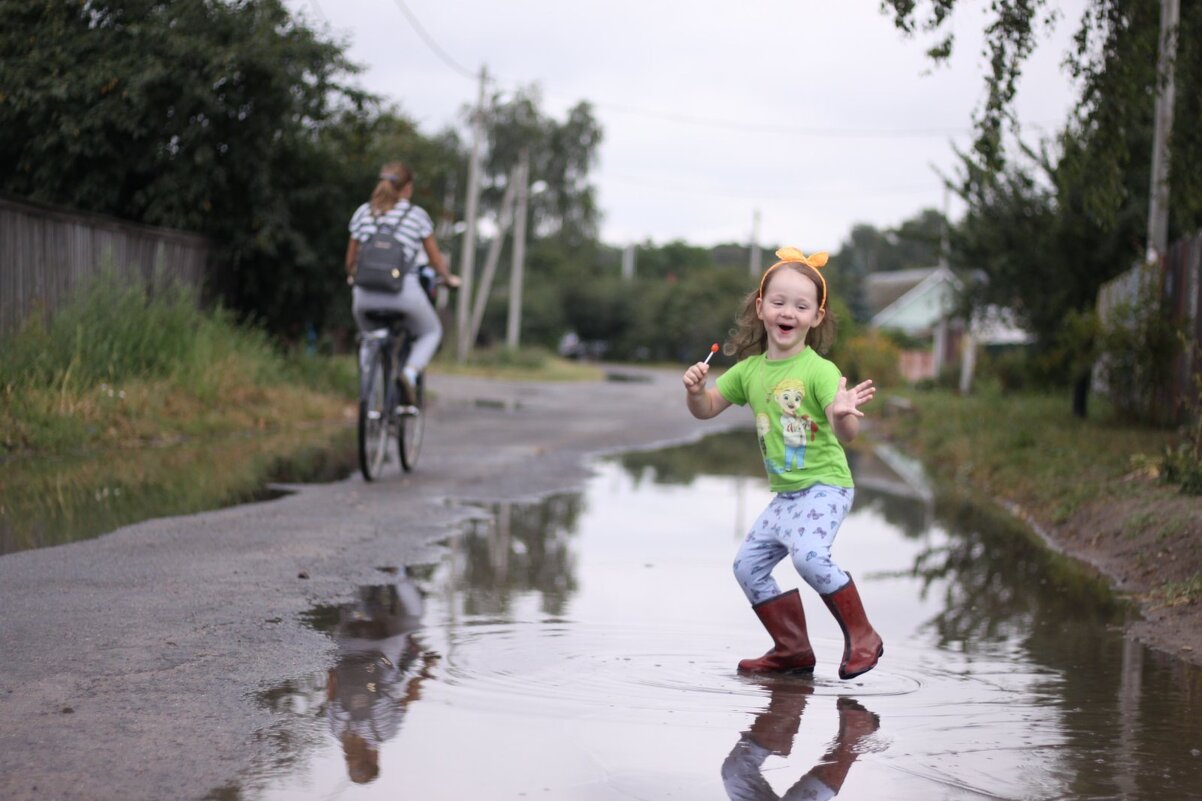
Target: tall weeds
pixel 119 361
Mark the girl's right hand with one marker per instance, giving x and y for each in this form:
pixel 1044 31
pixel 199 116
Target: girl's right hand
pixel 694 378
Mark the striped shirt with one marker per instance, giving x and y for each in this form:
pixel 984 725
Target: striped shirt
pixel 416 226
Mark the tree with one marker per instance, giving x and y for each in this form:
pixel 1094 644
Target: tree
pixel 203 115
pixel 1010 36
pixel 563 252
pixel 1114 61
pixel 561 156
pixel 1043 255
pixel 1050 232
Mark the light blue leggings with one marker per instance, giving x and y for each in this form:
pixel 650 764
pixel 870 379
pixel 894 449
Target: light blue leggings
pixel 800 524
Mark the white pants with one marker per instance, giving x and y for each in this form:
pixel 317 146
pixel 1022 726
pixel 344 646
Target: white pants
pixel 420 317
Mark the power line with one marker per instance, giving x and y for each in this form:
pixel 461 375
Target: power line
pixel 707 122
pixel 432 44
pixel 711 192
pixel 791 130
pixel 320 11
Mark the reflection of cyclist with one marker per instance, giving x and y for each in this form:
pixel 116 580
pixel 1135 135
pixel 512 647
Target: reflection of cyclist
pixel 773 731
pixel 390 205
pixel 379 672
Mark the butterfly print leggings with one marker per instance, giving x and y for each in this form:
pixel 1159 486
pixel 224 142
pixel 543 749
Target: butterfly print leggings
pixel 799 524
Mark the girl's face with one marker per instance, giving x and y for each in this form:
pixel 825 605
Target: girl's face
pixel 789 310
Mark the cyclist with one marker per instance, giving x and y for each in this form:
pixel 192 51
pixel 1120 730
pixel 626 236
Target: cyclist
pixel 391 204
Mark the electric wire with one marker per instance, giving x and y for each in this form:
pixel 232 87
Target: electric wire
pixel 702 122
pixel 431 43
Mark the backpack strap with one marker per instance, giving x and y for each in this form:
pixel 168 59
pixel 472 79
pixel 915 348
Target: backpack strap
pixel 391 229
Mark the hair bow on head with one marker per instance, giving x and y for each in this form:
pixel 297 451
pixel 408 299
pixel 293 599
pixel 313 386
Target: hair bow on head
pixel 815 260
pixel 794 256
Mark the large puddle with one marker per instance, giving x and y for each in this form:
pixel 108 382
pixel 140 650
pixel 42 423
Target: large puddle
pixel 584 648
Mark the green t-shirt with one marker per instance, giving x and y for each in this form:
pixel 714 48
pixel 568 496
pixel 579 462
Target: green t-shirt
pixel 789 398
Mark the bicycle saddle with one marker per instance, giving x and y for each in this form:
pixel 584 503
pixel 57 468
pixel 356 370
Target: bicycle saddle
pixel 384 317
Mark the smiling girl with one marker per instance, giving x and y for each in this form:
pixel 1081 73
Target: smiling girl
pixel 804 414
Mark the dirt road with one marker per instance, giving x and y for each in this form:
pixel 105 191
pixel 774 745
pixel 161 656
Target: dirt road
pixel 129 664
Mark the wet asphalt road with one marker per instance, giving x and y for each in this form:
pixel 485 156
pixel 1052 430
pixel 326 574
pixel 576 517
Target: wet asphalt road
pixel 129 664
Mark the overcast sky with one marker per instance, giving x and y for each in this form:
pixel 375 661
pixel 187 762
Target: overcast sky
pixel 816 113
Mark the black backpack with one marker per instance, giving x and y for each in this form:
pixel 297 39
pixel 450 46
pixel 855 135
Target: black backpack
pixel 382 262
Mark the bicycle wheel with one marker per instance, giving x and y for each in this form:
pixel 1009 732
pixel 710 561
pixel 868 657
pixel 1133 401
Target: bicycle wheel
pixel 373 419
pixel 412 426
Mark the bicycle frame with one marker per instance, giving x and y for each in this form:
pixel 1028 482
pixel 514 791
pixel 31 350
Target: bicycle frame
pixel 381 417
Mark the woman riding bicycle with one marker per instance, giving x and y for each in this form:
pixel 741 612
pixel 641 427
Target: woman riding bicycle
pixel 391 205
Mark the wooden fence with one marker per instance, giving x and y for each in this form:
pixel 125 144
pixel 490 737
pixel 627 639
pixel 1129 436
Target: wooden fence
pixel 47 252
pixel 1177 281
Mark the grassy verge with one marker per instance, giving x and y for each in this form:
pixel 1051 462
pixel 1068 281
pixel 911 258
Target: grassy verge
pixel 118 367
pixel 1094 481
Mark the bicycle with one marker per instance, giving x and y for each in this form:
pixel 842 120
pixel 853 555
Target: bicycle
pixel 384 409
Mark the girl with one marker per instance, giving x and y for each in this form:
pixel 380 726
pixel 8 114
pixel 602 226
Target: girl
pixel 390 205
pixel 804 412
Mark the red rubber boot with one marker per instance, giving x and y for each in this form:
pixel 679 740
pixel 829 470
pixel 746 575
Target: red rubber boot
pixel 856 724
pixel 862 646
pixel 776 726
pixel 784 618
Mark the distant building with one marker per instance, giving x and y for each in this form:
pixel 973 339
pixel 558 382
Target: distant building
pixel 923 304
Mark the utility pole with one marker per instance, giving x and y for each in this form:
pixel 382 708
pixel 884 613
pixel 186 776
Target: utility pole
pixel 628 262
pixel 1158 201
pixel 944 230
pixel 753 258
pixel 513 333
pixel 504 220
pixel 442 232
pixel 467 261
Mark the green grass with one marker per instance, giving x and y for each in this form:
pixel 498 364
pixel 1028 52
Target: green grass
pixel 1026 447
pixel 118 365
pixel 1179 593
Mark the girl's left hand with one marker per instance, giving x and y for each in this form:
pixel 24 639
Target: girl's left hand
pixel 847 401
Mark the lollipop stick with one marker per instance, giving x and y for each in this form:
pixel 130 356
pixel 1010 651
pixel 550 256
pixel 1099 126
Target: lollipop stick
pixel 713 350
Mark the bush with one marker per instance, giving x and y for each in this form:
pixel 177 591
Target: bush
pixel 869 355
pixel 1135 349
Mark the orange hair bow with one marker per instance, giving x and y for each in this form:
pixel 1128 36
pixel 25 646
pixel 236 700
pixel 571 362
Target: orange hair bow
pixel 794 256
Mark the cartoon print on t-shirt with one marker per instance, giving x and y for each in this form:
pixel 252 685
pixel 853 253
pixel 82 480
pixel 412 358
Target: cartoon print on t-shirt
pixel 763 427
pixel 796 428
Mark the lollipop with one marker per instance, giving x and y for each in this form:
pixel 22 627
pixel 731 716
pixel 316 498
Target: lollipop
pixel 713 350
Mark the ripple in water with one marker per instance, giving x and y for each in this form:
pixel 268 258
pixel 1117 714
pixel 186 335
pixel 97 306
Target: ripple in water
pixel 565 669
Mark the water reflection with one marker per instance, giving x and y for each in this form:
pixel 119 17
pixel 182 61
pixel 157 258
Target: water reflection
pixel 773 732
pixel 998 583
pixel 55 501
pixel 515 550
pixel 599 631
pixel 378 673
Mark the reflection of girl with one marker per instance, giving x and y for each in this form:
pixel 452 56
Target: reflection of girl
pixel 379 672
pixel 780 376
pixel 773 731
